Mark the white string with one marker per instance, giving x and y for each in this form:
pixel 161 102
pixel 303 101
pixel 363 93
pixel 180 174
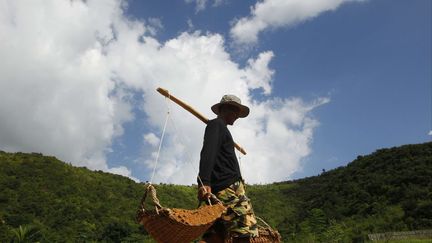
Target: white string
pixel 188 155
pixel 160 145
pixel 168 116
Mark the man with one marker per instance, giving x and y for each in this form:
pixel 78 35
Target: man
pixel 219 174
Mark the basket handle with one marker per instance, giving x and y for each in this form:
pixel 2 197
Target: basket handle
pixel 262 220
pixel 211 200
pixel 150 189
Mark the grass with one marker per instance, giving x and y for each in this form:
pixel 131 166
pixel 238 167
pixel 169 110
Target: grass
pixel 406 241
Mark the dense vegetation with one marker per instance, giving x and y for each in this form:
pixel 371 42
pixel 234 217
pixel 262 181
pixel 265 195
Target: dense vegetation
pixel 389 190
pixel 44 199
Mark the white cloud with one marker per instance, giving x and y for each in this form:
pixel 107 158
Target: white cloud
pixel 200 5
pixel 278 135
pixel 218 3
pixel 123 171
pixel 154 25
pixel 279 13
pixel 430 133
pixel 257 74
pixel 57 93
pixel 190 25
pixel 151 139
pixel 65 90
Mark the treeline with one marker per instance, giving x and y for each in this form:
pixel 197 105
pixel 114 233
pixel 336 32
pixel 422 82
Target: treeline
pixel 57 202
pixel 43 199
pixel 389 190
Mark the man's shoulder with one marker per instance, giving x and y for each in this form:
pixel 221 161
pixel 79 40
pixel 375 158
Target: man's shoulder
pixel 215 122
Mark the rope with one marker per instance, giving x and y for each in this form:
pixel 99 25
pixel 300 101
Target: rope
pixel 168 104
pixel 262 220
pixel 149 189
pixel 152 191
pixel 168 117
pixel 160 145
pixel 188 156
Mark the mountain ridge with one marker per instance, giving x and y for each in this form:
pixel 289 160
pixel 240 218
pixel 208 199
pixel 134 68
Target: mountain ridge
pixel 388 190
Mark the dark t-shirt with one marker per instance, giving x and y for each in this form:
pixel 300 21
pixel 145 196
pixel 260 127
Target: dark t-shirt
pixel 219 167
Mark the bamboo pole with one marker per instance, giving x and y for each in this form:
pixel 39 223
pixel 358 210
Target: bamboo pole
pixel 187 107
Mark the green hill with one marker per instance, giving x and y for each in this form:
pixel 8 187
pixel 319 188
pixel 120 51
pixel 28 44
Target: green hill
pixel 389 190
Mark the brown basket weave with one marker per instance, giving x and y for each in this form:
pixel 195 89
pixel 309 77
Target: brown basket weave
pixel 266 235
pixel 176 225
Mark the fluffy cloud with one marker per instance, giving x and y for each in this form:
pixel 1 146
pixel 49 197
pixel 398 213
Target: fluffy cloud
pixel 57 95
pixel 150 138
pixel 154 25
pixel 123 171
pixel 278 135
pixel 279 13
pixel 257 75
pixel 201 5
pixel 66 90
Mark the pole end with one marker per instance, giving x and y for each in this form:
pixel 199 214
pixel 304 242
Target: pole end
pixel 163 92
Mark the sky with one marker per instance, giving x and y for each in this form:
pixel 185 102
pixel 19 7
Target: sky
pixel 326 81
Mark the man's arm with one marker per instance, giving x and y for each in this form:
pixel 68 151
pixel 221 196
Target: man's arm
pixel 209 152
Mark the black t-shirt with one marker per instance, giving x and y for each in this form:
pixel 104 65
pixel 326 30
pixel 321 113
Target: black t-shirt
pixel 219 167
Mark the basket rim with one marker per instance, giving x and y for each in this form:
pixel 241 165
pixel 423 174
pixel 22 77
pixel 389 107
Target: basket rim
pixel 169 213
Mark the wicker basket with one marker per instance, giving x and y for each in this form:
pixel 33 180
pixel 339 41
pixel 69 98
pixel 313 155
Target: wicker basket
pixel 176 225
pixel 266 235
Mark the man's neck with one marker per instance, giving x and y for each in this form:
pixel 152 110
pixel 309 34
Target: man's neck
pixel 223 119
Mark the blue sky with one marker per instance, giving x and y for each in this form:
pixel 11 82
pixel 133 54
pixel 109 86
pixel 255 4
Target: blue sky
pixel 372 58
pixel 324 85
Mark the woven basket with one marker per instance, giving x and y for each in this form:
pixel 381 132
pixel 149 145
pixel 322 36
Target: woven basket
pixel 176 225
pixel 265 236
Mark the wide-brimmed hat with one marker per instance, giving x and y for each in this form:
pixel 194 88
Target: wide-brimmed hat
pixel 234 101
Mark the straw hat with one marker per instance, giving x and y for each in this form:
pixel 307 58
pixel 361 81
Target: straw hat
pixel 231 100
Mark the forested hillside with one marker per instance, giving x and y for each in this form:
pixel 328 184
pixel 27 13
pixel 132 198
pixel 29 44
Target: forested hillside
pixel 389 190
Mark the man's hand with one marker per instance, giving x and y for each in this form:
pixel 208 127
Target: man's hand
pixel 204 193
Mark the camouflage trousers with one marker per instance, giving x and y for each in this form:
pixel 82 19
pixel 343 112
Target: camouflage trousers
pixel 239 218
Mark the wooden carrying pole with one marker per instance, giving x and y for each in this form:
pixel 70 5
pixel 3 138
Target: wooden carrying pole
pixel 187 107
